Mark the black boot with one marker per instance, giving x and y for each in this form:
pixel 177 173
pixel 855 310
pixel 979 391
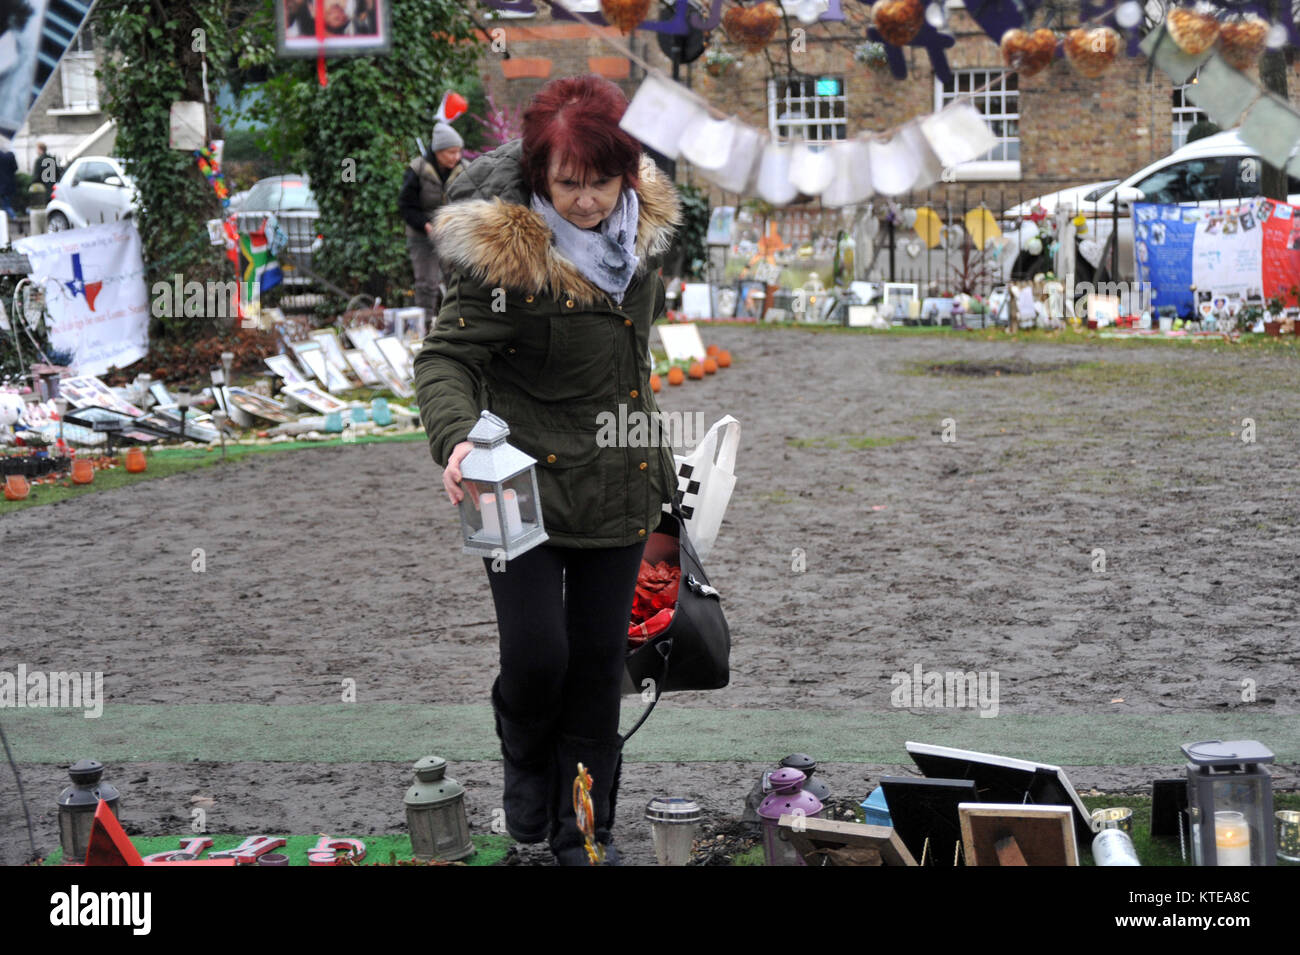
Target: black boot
pixel 527 749
pixel 603 759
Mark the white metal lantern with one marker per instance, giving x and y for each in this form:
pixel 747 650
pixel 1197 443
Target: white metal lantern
pixel 500 510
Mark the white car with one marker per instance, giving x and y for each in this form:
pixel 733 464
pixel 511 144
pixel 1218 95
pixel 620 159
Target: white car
pixel 1075 196
pixel 94 189
pixel 1217 170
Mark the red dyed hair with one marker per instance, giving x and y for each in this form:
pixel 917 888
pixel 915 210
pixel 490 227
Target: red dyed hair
pixel 576 118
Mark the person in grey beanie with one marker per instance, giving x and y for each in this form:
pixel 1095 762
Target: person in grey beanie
pixel 424 192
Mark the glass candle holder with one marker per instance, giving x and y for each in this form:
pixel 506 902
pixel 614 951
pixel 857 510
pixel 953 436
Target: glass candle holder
pixel 1287 822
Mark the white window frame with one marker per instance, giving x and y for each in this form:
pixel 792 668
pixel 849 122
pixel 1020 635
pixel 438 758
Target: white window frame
pixel 984 169
pixel 794 125
pixel 1184 117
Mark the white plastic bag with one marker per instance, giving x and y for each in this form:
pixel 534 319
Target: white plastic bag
pixel 705 479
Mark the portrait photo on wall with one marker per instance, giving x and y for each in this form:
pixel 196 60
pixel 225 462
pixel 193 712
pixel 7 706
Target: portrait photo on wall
pixel 346 27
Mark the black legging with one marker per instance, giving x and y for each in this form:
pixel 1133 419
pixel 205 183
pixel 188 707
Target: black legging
pixel 563 655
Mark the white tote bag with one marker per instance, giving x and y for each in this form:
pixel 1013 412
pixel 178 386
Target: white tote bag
pixel 705 479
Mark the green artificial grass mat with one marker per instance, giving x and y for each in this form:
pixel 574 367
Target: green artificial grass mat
pixel 380 850
pixel 164 462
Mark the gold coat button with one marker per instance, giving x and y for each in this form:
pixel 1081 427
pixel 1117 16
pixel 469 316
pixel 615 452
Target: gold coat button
pixel 528 298
pixel 633 393
pixel 550 459
pixel 461 320
pixel 627 322
pixel 641 532
pixel 569 302
pixel 641 465
pixel 510 350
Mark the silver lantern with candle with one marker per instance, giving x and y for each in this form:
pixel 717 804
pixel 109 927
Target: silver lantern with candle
pixel 1230 802
pixel 500 510
pixel 674 823
pixel 435 814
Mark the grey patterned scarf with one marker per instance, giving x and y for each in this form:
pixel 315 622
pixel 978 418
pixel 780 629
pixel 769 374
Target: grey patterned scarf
pixel 606 255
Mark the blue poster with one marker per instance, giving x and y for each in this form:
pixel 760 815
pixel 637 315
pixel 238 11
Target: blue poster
pixel 1163 239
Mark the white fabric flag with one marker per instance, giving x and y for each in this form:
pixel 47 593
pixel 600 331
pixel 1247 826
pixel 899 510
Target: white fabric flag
pixel 95 293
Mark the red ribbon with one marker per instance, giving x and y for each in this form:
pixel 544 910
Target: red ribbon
pixel 320 40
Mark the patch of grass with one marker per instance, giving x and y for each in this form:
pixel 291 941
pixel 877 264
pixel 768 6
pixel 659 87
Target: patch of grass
pixel 856 442
pixel 752 856
pixel 775 497
pixel 165 462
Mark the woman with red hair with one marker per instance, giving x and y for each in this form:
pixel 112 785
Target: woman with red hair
pixel 550 243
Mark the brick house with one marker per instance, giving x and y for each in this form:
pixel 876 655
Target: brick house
pixel 1055 129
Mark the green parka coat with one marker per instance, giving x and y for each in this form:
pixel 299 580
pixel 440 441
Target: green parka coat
pixel 524 334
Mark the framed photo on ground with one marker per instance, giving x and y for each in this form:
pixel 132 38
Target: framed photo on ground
pixel 751 300
pixel 398 357
pixel 827 842
pixel 314 398
pixel 899 297
pixel 283 366
pixel 360 367
pixel 349 27
pixel 1001 834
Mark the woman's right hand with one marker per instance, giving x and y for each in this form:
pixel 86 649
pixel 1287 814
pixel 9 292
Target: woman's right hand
pixel 451 473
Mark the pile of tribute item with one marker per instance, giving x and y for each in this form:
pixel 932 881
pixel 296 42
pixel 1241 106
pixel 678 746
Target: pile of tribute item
pixel 980 809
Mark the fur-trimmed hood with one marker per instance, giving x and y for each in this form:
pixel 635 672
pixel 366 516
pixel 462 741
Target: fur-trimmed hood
pixel 489 231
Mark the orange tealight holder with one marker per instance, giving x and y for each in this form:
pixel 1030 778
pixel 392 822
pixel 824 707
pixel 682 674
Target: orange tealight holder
pixel 135 460
pixel 16 487
pixel 83 471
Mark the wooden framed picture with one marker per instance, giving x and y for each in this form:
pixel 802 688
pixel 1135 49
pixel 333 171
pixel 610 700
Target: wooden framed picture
pixel 751 300
pixel 397 356
pixel 826 842
pixel 899 297
pixel 924 814
pixel 344 27
pixel 1003 834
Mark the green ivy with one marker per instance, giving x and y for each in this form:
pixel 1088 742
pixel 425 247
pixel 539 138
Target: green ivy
pixel 156 53
pixel 693 231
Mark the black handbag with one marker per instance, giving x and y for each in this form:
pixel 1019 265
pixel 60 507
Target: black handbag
pixel 693 653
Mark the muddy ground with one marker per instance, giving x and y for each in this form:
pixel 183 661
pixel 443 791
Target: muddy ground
pixel 978 553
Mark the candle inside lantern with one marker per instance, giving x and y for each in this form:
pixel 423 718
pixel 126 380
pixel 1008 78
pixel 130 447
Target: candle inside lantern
pixel 492 524
pixel 1231 838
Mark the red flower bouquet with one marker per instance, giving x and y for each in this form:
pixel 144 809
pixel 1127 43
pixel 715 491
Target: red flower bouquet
pixel 656 597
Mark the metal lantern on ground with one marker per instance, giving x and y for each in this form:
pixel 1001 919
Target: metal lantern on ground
pixel 435 814
pixel 500 511
pixel 183 399
pixel 788 796
pixel 673 824
pixel 77 804
pixel 1230 802
pixel 808 766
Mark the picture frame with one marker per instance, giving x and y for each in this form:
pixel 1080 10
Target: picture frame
pixel 352 28
pixel 724 300
pixel 1043 835
pixel 283 366
pixel 397 356
pixel 364 338
pixel 751 300
pixel 820 841
pixel 258 406
pixel 898 298
pixel 308 394
pixel 329 344
pixel 722 225
pixel 924 814
pixel 697 301
pixel 356 359
pixel 1003 779
pixel 682 342
pixel 388 378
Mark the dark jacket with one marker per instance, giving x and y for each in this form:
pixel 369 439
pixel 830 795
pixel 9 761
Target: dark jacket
pixel 523 334
pixel 424 192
